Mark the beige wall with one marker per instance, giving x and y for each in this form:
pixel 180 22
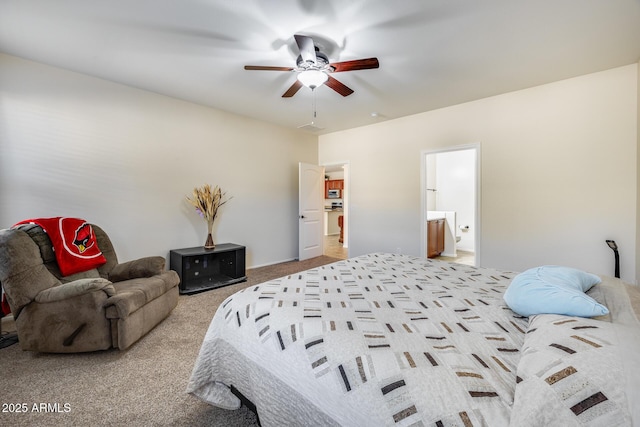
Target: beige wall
pixel 558 173
pixel 559 168
pixel 73 145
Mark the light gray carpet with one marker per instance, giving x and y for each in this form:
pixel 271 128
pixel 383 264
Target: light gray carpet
pixel 142 386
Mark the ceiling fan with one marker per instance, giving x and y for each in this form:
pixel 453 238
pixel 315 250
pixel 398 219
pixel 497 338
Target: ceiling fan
pixel 313 68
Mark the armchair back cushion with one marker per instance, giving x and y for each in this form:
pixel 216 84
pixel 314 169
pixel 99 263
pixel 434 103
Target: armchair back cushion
pixel 22 272
pixel 74 243
pixel 47 255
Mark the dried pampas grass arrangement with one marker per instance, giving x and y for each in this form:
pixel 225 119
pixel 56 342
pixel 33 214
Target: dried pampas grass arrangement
pixel 207 200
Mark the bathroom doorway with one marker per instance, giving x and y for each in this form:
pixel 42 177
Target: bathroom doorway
pixel 450 183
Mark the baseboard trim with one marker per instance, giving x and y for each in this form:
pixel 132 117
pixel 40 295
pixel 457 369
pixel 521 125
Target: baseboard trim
pixel 271 263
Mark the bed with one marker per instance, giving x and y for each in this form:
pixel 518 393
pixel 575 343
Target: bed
pixel 395 340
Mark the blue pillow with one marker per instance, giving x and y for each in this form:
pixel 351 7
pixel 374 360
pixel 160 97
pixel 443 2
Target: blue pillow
pixel 553 289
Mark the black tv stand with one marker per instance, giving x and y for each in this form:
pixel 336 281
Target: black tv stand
pixel 202 269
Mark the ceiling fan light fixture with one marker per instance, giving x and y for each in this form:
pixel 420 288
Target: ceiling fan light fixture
pixel 313 68
pixel 312 78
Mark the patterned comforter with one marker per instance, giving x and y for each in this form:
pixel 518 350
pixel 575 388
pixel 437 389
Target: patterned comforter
pixel 396 340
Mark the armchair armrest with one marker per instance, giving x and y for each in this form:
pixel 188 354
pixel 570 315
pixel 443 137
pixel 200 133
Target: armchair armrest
pixel 75 288
pixel 139 268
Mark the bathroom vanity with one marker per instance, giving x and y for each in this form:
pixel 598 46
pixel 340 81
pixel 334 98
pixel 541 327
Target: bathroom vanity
pixel 435 237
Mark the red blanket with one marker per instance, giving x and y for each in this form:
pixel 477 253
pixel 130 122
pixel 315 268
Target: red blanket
pixel 4 306
pixel 74 243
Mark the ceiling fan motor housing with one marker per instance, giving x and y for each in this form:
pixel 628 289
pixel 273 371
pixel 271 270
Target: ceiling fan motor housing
pixel 321 62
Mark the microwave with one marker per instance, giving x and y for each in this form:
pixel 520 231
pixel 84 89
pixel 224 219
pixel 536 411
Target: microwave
pixel 333 194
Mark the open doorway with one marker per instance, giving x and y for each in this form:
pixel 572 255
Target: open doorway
pixel 336 215
pixel 450 204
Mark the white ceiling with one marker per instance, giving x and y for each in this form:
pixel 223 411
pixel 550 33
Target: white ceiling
pixel 432 53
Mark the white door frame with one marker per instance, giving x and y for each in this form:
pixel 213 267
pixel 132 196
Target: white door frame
pixel 345 201
pixel 423 197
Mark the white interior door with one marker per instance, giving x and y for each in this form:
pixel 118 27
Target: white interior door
pixel 311 210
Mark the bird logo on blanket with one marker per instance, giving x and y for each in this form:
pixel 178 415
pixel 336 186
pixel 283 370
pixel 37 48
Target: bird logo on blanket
pixel 74 243
pixel 84 238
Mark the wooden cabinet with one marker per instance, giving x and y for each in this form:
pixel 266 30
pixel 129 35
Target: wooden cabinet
pixel 435 237
pixel 333 184
pixel 201 269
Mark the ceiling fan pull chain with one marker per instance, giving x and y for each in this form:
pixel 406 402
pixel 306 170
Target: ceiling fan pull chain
pixel 314 103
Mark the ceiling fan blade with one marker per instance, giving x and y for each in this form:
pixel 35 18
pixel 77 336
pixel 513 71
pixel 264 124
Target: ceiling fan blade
pixel 293 89
pixel 306 47
pixel 338 87
pixel 266 68
pixel 356 64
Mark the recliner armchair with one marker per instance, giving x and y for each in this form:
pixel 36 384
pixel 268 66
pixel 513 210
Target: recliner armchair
pixel 113 305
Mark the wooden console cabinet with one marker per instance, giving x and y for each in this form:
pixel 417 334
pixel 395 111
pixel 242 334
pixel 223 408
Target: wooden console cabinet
pixel 435 237
pixel 202 269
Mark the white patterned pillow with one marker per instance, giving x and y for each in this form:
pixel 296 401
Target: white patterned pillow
pixel 569 374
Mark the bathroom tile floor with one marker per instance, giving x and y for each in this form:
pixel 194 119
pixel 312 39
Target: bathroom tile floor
pixel 463 257
pixel 334 249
